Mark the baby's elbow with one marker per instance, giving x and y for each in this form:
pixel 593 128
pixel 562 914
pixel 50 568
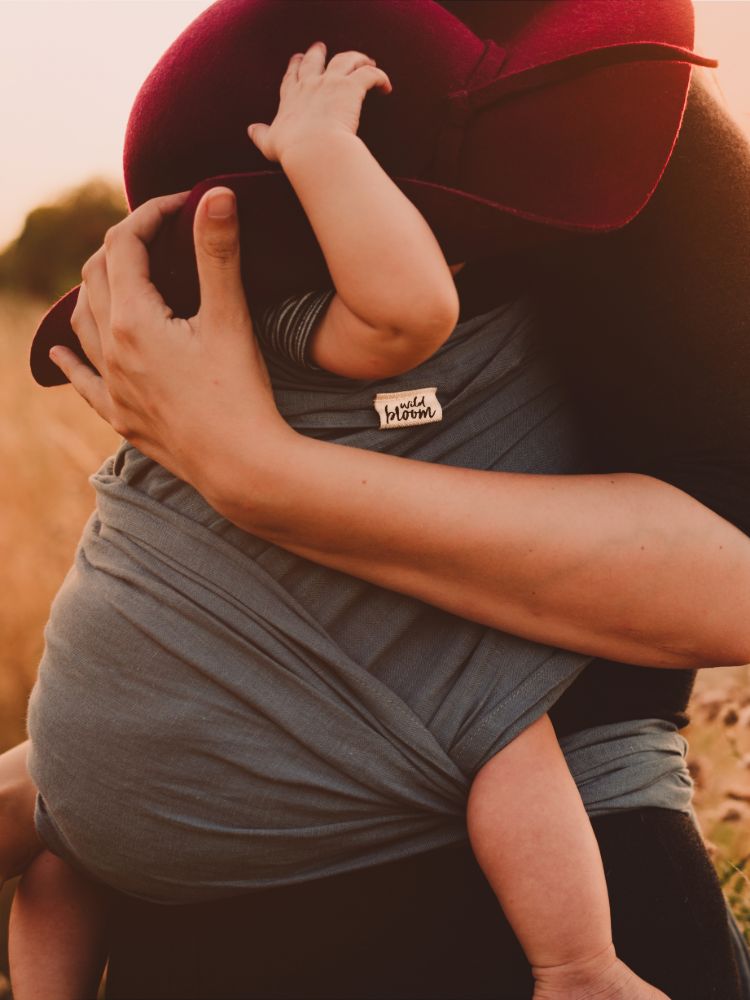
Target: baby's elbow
pixel 407 342
pixel 445 310
pixel 429 319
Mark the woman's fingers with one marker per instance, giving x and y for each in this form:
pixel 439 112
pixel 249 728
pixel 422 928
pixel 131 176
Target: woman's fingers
pixel 94 297
pixel 86 328
pixel 126 247
pixel 86 382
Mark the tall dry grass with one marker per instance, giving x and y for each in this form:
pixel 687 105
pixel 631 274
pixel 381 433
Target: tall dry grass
pixel 50 442
pixel 719 760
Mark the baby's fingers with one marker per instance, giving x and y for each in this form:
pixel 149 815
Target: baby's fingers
pixel 259 133
pixel 346 62
pixel 291 75
pixel 371 76
pixel 313 62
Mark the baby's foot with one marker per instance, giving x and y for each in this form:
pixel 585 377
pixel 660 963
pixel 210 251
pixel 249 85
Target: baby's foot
pixel 603 978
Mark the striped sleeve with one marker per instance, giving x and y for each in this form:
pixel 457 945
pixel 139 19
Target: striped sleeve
pixel 285 327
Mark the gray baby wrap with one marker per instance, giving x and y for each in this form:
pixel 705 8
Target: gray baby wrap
pixel 214 714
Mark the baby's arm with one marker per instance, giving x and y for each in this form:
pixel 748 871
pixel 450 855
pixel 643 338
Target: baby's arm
pixel 56 939
pixel 532 837
pixel 396 301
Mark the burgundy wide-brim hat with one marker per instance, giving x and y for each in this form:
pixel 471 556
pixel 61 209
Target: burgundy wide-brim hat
pixel 509 123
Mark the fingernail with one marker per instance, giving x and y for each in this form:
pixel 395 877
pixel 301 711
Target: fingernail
pixel 220 205
pixel 53 354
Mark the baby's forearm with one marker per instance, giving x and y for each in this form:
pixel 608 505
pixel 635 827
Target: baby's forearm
pixel 532 837
pixel 384 259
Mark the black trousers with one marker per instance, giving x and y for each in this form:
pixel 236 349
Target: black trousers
pixel 427 927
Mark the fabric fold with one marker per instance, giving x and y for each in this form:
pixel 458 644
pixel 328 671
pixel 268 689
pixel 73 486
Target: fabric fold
pixel 214 714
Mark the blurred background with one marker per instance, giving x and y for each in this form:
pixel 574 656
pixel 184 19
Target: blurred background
pixel 69 71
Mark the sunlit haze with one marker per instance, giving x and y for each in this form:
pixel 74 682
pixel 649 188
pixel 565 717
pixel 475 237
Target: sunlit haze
pixel 70 69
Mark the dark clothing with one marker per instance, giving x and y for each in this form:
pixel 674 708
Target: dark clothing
pixel 605 692
pixel 427 927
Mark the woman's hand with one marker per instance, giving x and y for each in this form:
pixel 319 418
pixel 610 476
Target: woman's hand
pixel 171 386
pixel 316 99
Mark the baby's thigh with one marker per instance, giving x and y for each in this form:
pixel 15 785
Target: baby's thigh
pixel 18 838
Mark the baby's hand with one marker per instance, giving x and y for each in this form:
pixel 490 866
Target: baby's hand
pixel 317 99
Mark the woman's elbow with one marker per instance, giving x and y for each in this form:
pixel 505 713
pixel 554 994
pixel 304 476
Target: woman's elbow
pixel 732 651
pixel 731 648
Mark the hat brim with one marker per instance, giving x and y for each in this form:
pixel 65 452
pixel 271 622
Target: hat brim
pixel 607 153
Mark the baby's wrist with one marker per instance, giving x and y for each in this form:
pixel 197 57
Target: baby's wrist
pixel 312 143
pixel 580 972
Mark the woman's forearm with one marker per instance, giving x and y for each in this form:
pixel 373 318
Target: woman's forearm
pixel 620 566
pixel 384 259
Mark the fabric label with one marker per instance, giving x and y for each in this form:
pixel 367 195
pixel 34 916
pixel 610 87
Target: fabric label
pixel 408 408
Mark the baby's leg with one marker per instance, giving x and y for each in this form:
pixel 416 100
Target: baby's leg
pixel 56 929
pixel 532 837
pixel 19 842
pixel 58 933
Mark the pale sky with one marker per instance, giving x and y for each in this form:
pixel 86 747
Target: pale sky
pixel 70 70
pixel 69 73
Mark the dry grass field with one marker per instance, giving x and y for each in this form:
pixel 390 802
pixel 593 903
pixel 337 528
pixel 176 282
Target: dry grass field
pixel 719 738
pixel 50 442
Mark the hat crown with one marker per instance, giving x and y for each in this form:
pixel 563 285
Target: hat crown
pixel 512 123
pixel 190 117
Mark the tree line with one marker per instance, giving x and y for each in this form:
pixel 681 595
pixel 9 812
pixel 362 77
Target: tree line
pixel 56 240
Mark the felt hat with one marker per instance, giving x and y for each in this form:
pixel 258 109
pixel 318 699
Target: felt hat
pixel 509 124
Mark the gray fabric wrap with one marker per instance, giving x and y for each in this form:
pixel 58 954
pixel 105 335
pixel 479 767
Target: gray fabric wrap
pixel 214 714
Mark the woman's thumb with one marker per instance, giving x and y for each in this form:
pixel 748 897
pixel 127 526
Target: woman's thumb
pixel 217 251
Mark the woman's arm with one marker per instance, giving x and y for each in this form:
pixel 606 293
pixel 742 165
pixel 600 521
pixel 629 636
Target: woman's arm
pixel 622 566
pixel 619 566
